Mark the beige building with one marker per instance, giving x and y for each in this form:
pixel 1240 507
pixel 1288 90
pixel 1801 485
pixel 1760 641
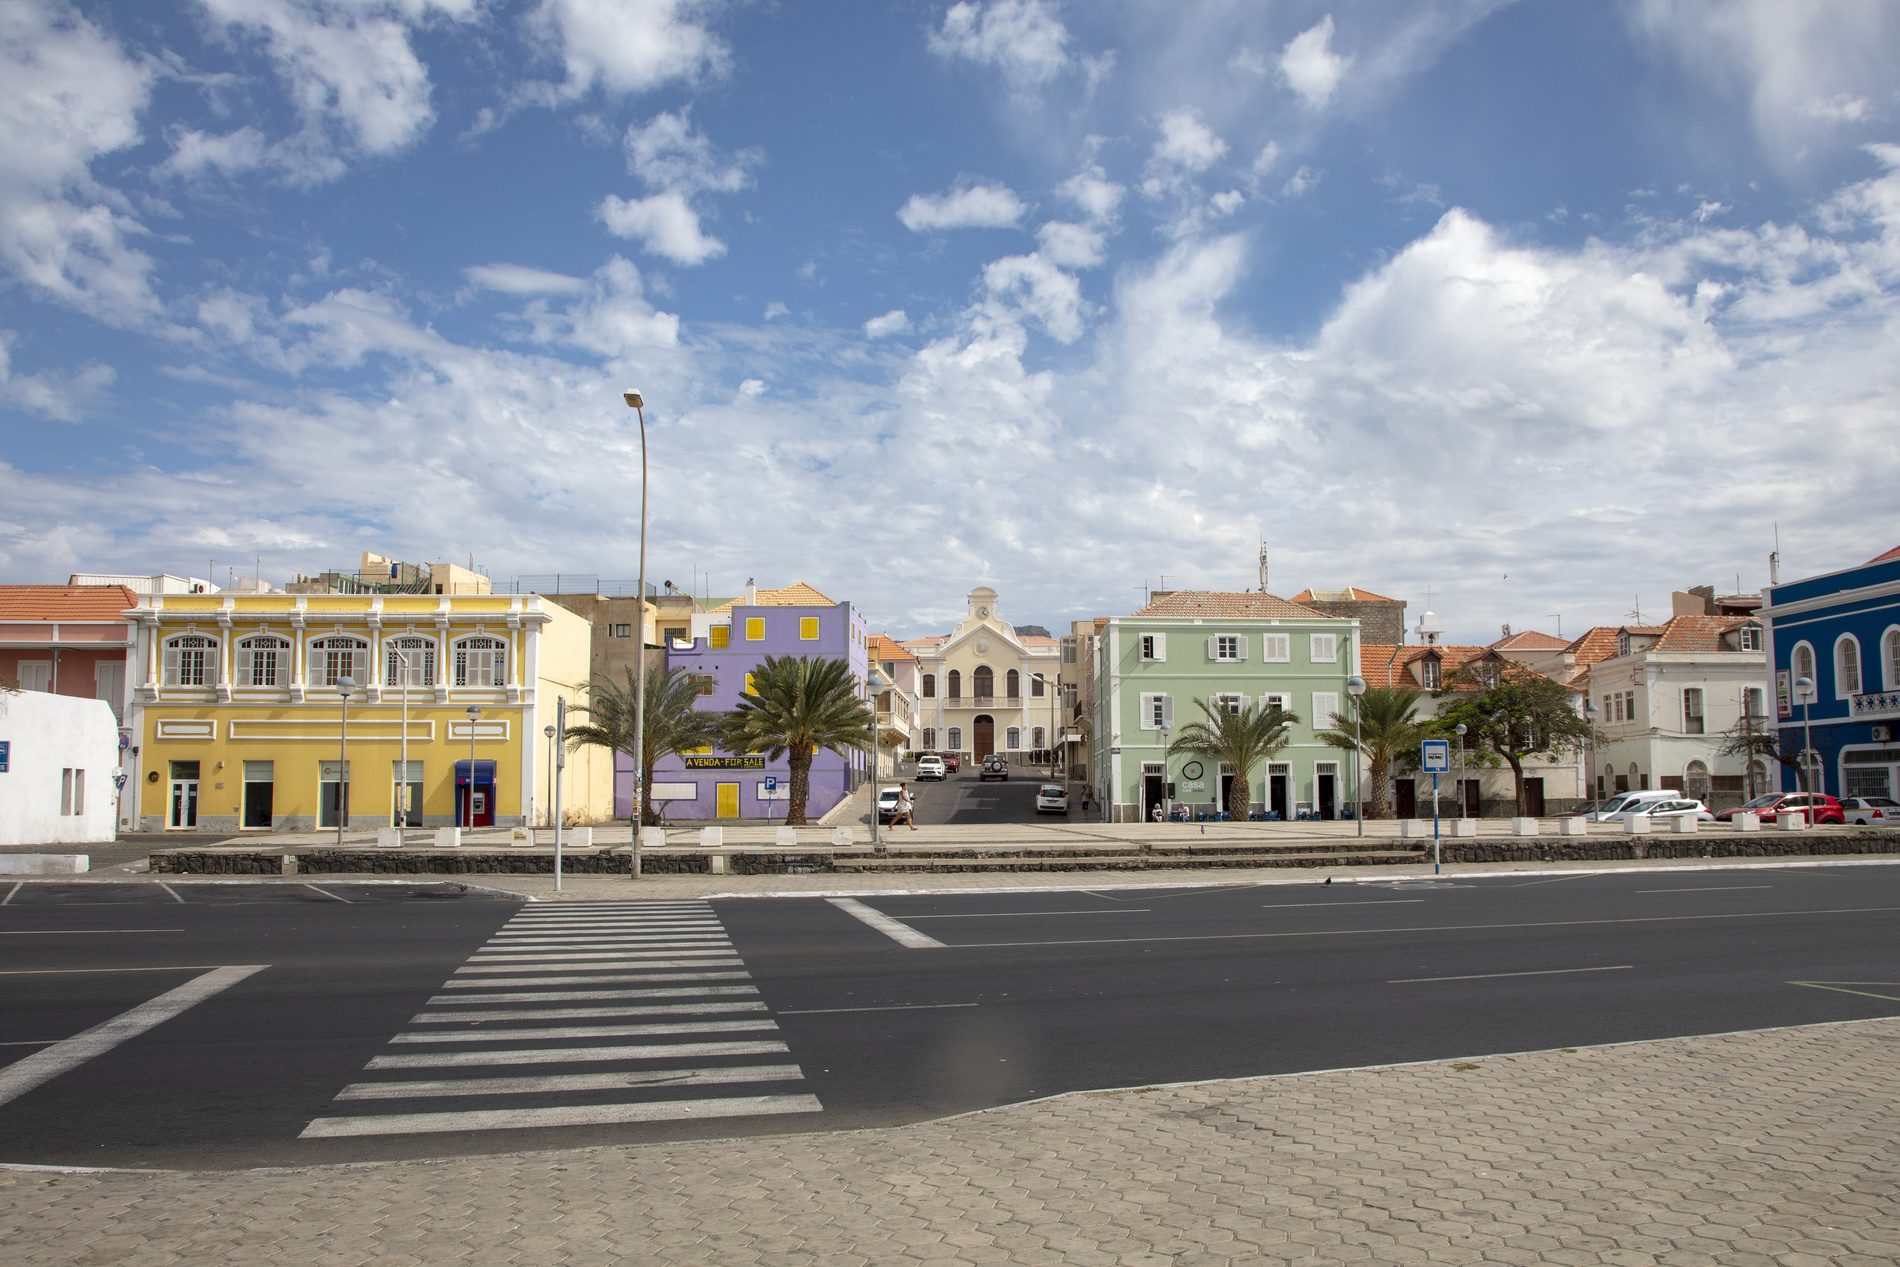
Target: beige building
pixel 984 688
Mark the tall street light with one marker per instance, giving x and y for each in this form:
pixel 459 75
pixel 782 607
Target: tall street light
pixel 1804 691
pixel 637 403
pixel 474 715
pixel 344 685
pixel 402 782
pixel 1355 687
pixel 1590 714
pixel 549 732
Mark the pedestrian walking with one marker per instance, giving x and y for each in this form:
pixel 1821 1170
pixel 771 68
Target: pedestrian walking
pixel 904 807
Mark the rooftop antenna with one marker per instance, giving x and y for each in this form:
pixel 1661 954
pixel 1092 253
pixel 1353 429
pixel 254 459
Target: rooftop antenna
pixel 1143 587
pixel 1636 614
pixel 1774 559
pixel 1560 622
pixel 1263 567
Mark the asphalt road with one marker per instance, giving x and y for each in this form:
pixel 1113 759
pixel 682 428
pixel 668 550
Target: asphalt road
pixel 799 1014
pixel 963 798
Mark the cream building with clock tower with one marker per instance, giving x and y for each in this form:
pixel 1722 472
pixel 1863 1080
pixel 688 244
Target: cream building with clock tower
pixel 985 688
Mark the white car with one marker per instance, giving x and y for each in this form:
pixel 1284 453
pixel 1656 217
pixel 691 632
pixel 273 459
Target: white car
pixel 1670 809
pixel 1052 798
pixel 1624 803
pixel 886 804
pixel 931 766
pixel 1872 811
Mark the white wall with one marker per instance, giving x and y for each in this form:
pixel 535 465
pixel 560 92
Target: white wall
pixel 47 734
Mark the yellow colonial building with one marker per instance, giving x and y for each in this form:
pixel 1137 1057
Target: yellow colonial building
pixel 241 712
pixel 985 688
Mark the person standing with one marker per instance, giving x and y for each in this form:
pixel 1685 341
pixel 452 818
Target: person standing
pixel 904 807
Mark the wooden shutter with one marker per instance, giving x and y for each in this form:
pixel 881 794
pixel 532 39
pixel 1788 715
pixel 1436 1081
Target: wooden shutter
pixel 1161 646
pixel 1167 711
pixel 1240 647
pixel 1213 647
pixel 170 676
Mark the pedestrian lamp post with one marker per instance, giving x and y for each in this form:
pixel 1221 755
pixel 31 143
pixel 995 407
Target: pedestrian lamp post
pixel 637 403
pixel 1459 782
pixel 1167 801
pixel 474 715
pixel 344 685
pixel 1590 714
pixel 1804 691
pixel 549 732
pixel 873 678
pixel 402 782
pixel 1356 687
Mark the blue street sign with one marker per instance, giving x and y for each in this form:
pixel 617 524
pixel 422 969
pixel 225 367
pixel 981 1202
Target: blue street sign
pixel 771 783
pixel 6 753
pixel 1435 756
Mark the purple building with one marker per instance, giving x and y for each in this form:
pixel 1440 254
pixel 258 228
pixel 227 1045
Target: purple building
pixel 726 645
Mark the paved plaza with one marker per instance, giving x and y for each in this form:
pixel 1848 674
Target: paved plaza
pixel 1773 1147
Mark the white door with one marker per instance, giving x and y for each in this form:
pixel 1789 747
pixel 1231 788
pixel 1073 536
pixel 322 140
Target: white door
pixel 36 675
pixel 108 678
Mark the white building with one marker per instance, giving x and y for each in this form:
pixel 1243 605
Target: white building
pixel 985 688
pixel 56 779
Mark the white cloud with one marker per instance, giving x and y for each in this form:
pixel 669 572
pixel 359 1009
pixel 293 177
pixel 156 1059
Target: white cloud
pixel 628 46
pixel 667 152
pixel 776 309
pixel 1090 189
pixel 971 207
pixel 71 96
pixel 664 224
pixel 752 387
pixel 1299 182
pixel 892 322
pixel 1023 38
pixel 1840 108
pixel 61 397
pixel 520 279
pixel 195 152
pixel 1312 68
pixel 1264 161
pixel 1187 142
pixel 1071 245
pixel 1036 287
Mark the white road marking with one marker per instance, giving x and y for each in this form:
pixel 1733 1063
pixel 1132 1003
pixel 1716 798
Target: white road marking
pixel 895 929
pixel 77 932
pixel 1718 888
pixel 570 1082
pixel 314 889
pixel 562 996
pixel 583 1013
pixel 504 983
pixel 169 889
pixel 1108 910
pixel 564 1115
pixel 588 1031
pixel 1327 906
pixel 595 941
pixel 703 959
pixel 42 1066
pixel 898 1007
pixel 1486 976
pixel 576 1055
pixel 51 972
pixel 602 956
pixel 12 892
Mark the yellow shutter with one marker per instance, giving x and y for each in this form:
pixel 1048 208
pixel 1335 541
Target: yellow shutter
pixel 718 636
pixel 748 685
pixel 755 629
pixel 808 628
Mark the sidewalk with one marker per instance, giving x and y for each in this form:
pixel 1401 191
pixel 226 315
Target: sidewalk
pixel 1770 1148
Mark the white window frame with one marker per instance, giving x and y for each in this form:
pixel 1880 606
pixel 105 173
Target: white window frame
pixel 1157 711
pixel 1694 710
pixel 1013 738
pixel 1431 674
pixel 930 738
pixel 273 650
pixel 1069 655
pixel 1233 702
pixel 1038 738
pixel 1325 715
pixel 1795 653
pixel 465 656
pixel 1890 660
pixel 1038 686
pixel 1748 638
pixel 1844 688
pixel 1152 648
pixel 1282 698
pixel 1324 648
pixel 1227 648
pixel 172 659
pixel 1276 648
pixel 421 658
pixel 1755 702
pixel 323 667
pixel 956 739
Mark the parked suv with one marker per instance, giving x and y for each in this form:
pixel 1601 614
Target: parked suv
pixel 995 766
pixel 931 766
pixel 1819 809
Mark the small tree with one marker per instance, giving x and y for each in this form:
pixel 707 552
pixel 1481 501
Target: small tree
pixel 1752 738
pixel 1389 730
pixel 1518 714
pixel 673 724
pixel 1242 740
pixel 797 706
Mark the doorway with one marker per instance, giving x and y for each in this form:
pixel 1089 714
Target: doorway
pixel 1534 798
pixel 1405 796
pixel 333 800
pixel 183 812
pixel 405 799
pixel 1326 780
pixel 1473 798
pixel 475 798
pixel 1154 788
pixel 259 792
pixel 1226 797
pixel 1279 780
pixel 726 800
pixel 983 735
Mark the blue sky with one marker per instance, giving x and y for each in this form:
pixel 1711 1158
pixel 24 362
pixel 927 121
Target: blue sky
pixel 1548 308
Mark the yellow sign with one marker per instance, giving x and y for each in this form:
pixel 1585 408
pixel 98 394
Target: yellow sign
pixel 725 763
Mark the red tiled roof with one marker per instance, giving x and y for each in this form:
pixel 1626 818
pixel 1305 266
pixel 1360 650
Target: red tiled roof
pixel 65 602
pixel 1531 640
pixel 1228 604
pixel 797 594
pixel 1882 558
pixel 1351 594
pixel 1598 644
pixel 1386 665
pixel 884 647
pixel 1697 633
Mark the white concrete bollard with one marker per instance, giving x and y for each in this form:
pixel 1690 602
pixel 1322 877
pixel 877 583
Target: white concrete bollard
pixel 1462 827
pixel 387 838
pixel 44 863
pixel 788 838
pixel 1524 827
pixel 654 837
pixel 842 838
pixel 1686 825
pixel 1746 820
pixel 448 837
pixel 712 837
pixel 1636 825
pixel 577 838
pixel 716 863
pixel 1413 828
pixel 1573 827
pixel 1791 820
pixel 521 838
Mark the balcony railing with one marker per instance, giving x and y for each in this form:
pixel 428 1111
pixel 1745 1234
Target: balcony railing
pixel 1875 705
pixel 983 701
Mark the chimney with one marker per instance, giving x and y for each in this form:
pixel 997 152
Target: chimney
pixel 751 593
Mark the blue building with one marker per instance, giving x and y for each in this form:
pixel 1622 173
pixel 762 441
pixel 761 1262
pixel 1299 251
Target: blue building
pixel 1841 631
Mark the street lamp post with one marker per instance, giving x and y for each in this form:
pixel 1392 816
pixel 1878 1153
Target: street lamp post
pixel 1590 714
pixel 1804 691
pixel 637 403
pixel 1459 730
pixel 1356 687
pixel 402 781
pixel 344 685
pixel 474 715
pixel 549 732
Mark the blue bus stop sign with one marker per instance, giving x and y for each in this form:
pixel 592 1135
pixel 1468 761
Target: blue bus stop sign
pixel 1435 756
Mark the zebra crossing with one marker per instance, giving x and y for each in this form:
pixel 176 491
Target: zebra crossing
pixel 652 997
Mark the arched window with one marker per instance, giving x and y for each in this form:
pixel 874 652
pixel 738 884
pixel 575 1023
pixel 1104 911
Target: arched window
pixel 483 661
pixel 1013 684
pixel 956 692
pixel 1757 778
pixel 191 660
pixel 983 682
pixel 1695 781
pixel 1803 661
pixel 930 738
pixel 409 660
pixel 263 660
pixel 930 686
pixel 1035 686
pixel 1036 736
pixel 336 657
pixel 956 735
pixel 1846 666
pixel 1893 659
pixel 1013 737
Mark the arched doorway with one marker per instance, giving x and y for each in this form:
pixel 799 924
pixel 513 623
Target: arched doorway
pixel 982 735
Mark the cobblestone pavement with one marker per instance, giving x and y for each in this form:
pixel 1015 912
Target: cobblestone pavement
pixel 1767 1148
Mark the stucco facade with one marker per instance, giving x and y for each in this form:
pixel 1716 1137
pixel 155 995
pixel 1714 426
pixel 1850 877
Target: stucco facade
pixel 61 755
pixel 985 688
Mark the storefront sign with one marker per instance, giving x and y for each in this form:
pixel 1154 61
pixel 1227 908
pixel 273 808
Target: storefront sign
pixel 725 763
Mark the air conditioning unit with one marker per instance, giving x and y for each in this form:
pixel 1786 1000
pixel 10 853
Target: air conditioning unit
pixel 1882 733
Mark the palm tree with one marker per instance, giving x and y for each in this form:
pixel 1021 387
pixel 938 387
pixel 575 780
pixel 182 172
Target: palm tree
pixel 1389 728
pixel 673 725
pixel 795 707
pixel 1242 740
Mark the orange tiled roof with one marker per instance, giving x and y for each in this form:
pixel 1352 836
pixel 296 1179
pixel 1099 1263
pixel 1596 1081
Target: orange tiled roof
pixel 1351 594
pixel 65 602
pixel 1228 604
pixel 1882 558
pixel 884 647
pixel 1598 644
pixel 797 594
pixel 1531 640
pixel 1386 665
pixel 1698 633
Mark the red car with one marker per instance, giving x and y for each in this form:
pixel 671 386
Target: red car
pixel 950 762
pixel 1820 809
